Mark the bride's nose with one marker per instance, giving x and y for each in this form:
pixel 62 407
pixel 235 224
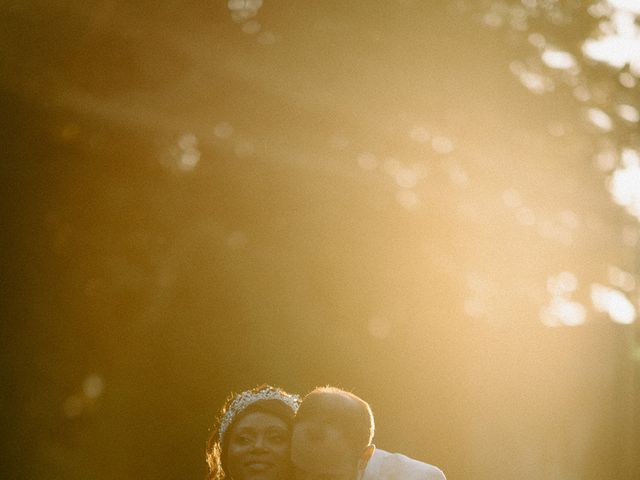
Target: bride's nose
pixel 260 443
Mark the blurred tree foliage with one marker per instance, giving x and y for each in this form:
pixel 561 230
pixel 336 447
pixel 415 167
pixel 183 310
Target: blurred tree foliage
pixel 199 198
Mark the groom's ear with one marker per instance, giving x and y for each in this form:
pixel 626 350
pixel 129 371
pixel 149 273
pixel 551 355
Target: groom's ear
pixel 367 453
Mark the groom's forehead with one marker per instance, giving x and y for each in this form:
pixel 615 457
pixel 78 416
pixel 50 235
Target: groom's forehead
pixel 329 408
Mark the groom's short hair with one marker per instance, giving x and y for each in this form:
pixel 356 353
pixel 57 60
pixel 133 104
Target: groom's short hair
pixel 343 410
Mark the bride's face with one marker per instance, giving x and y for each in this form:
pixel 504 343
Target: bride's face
pixel 258 448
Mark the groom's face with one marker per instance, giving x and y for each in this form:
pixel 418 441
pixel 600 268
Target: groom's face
pixel 321 451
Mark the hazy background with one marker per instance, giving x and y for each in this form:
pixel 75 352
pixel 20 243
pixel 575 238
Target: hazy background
pixel 435 204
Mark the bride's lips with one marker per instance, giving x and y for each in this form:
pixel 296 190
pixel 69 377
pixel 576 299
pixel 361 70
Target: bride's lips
pixel 258 466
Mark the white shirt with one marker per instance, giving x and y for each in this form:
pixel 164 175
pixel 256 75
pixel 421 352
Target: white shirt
pixel 395 466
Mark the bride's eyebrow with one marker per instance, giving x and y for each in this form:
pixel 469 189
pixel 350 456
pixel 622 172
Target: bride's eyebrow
pixel 244 430
pixel 253 429
pixel 277 427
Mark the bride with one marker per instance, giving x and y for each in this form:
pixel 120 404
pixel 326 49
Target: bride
pixel 252 437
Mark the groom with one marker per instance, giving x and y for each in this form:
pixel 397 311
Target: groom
pixel 332 436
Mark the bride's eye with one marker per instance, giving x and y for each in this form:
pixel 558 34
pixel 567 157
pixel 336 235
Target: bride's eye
pixel 242 439
pixel 278 437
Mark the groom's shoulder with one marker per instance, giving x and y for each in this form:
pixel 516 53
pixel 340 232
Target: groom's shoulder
pixel 395 466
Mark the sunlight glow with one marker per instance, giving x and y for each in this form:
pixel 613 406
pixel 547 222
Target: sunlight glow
pixel 615 51
pixel 474 306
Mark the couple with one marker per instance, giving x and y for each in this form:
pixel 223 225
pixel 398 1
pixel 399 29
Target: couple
pixel 268 434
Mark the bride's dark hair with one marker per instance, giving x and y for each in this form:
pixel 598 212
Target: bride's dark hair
pixel 216 451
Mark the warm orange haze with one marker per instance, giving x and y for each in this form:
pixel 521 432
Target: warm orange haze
pixel 432 204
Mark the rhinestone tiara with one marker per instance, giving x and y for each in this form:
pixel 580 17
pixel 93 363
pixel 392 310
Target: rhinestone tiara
pixel 250 397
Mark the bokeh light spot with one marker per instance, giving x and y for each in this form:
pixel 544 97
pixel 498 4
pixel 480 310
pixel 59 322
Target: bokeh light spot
pixel 624 184
pixel 562 284
pixel 223 130
pixel 600 119
pixel 606 160
pixel 408 199
pixel 251 27
pixel 582 93
pixel 93 386
pixel 627 80
pixel 621 279
pixel 558 59
pixel 442 144
pixel 614 303
pixel 189 155
pixel 628 113
pixel 563 312
pixel 537 40
pixel 406 178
